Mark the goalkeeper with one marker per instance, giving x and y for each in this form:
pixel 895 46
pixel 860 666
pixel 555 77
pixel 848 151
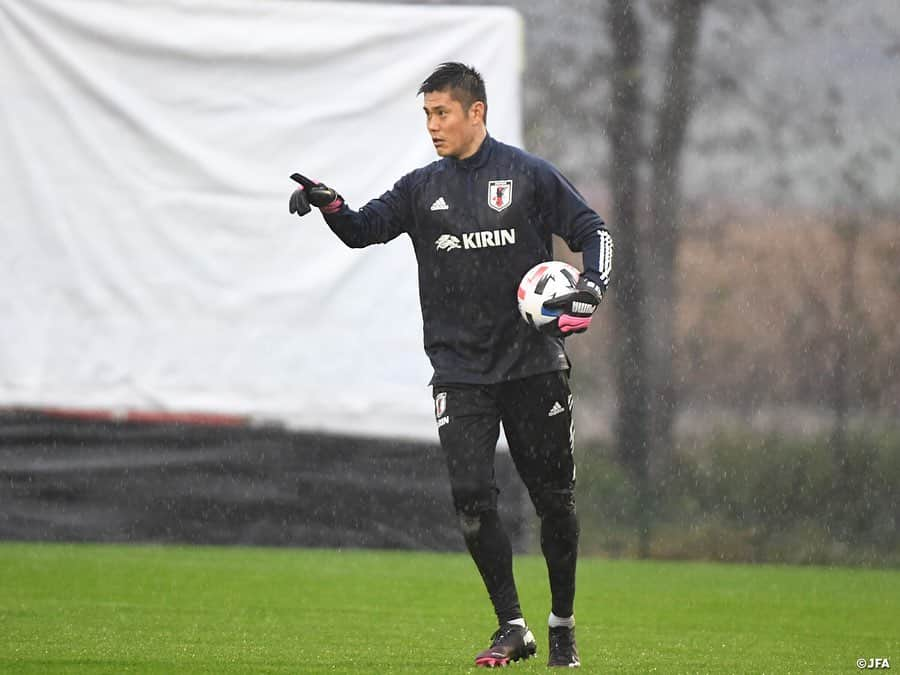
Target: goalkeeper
pixel 479 218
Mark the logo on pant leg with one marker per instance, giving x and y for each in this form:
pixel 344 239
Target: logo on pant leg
pixel 440 404
pixel 440 409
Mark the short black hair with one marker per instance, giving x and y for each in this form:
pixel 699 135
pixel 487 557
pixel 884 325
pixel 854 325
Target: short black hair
pixel 463 82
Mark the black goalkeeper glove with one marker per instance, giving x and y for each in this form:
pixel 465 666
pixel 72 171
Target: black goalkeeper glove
pixel 317 194
pixel 577 308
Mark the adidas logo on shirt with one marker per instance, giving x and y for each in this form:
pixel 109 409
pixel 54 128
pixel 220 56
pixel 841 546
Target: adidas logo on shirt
pixel 556 409
pixel 439 205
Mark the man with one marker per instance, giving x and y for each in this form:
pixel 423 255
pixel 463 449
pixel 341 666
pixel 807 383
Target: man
pixel 479 218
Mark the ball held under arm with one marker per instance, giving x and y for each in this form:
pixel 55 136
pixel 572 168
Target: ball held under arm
pixel 577 308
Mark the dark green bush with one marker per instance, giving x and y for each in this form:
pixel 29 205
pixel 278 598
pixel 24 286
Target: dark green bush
pixel 743 498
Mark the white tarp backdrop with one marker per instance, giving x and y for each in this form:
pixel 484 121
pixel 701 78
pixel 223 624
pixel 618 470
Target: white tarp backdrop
pixel 148 260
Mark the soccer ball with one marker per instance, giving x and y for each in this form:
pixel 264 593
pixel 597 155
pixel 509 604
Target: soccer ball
pixel 543 282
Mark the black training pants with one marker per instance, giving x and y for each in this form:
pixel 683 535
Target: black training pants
pixel 536 413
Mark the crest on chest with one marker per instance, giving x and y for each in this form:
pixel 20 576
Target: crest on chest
pixel 500 194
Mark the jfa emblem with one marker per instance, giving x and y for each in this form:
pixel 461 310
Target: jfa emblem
pixel 499 194
pixel 440 404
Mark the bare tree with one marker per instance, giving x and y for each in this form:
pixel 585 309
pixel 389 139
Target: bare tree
pixel 632 428
pixel 646 217
pixel 663 232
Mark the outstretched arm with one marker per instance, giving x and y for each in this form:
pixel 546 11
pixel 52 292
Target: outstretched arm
pixel 377 222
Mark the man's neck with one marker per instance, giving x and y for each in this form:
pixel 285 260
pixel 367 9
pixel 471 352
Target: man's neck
pixel 476 144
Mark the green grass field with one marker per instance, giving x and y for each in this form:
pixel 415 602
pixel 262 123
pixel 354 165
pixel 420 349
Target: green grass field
pixel 154 609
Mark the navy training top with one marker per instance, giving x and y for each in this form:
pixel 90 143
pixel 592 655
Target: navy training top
pixel 477 225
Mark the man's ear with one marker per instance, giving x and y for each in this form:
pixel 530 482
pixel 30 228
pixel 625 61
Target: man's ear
pixel 476 111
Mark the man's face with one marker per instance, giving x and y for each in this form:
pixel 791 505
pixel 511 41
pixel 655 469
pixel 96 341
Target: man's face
pixel 455 132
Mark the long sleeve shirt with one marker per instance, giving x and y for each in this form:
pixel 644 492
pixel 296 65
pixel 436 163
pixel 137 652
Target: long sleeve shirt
pixel 477 225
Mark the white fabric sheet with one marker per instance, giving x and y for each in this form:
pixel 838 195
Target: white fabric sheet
pixel 148 260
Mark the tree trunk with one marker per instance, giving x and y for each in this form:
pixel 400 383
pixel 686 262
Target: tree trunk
pixel 664 230
pixel 632 424
pixel 846 320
